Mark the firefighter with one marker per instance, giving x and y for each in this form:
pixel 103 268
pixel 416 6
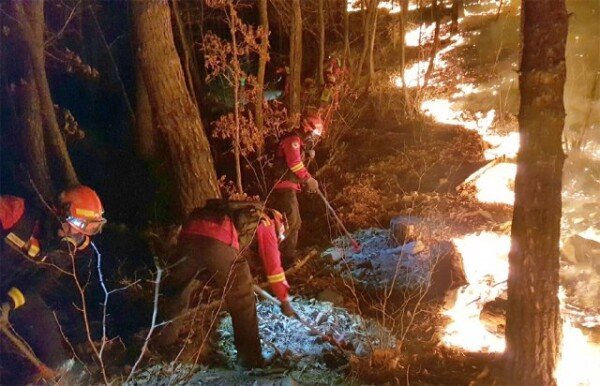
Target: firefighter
pixel 291 174
pixel 213 241
pixel 334 75
pixel 25 270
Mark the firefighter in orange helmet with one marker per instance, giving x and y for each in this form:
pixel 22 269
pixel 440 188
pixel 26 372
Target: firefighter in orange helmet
pixel 291 174
pixel 23 274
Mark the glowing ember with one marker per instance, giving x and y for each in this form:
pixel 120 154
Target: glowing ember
pixel 485 271
pixel 496 184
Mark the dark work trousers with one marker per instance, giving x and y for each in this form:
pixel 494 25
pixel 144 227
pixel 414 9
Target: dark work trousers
pixel 286 201
pixel 35 323
pixel 222 264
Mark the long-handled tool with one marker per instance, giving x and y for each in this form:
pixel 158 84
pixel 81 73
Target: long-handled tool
pixel 355 244
pixel 327 338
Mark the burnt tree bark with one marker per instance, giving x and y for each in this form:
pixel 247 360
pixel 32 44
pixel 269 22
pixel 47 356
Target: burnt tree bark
pixel 30 19
pixel 175 115
pixel 295 62
pixel 533 325
pixel 263 58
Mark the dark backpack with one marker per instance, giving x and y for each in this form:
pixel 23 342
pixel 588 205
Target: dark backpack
pixel 245 215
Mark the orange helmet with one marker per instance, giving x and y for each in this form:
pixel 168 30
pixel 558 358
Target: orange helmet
pixel 82 209
pixel 313 124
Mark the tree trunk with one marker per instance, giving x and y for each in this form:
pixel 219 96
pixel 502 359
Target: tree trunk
pixel 321 18
pixel 185 50
pixel 30 17
pixel 372 36
pixel 370 20
pixel 145 136
pixel 436 41
pixel 403 19
pixel 346 35
pixel 175 115
pixel 295 63
pixel 533 325
pixel 30 121
pixel 458 10
pixel 262 64
pixel 236 97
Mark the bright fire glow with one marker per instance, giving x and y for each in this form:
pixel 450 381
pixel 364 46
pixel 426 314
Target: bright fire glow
pixel 496 184
pixel 486 265
pixel 391 6
pixel 419 35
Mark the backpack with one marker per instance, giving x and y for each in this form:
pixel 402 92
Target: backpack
pixel 245 215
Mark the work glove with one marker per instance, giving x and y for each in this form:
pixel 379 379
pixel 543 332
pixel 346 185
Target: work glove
pixel 312 185
pixel 310 154
pixel 287 309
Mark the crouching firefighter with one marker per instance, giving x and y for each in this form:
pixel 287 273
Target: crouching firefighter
pixel 291 174
pixel 213 241
pixel 27 271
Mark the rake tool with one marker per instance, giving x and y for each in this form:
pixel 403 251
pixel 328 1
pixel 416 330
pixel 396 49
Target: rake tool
pixel 355 244
pixel 329 338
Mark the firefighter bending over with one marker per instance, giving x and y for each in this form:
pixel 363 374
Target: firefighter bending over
pixel 214 239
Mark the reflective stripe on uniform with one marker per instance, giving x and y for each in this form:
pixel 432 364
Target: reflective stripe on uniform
pixel 276 278
pixel 17 297
pixel 33 249
pixel 299 166
pixel 16 240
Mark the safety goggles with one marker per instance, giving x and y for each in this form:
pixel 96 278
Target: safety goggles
pixel 88 227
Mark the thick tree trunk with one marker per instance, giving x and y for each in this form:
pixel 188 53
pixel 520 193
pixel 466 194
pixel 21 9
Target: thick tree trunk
pixel 30 17
pixel 533 325
pixel 321 18
pixel 175 115
pixel 262 64
pixel 295 62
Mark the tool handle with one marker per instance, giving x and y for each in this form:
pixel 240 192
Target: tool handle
pixel 266 295
pixel 355 244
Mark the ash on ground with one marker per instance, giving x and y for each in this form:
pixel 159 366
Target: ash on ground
pixel 379 263
pixel 288 343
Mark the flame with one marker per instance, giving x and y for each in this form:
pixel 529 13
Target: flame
pixel 417 36
pixel 496 184
pixel 484 272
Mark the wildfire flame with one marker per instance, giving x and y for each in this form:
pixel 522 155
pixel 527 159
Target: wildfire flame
pixel 486 266
pixel 496 184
